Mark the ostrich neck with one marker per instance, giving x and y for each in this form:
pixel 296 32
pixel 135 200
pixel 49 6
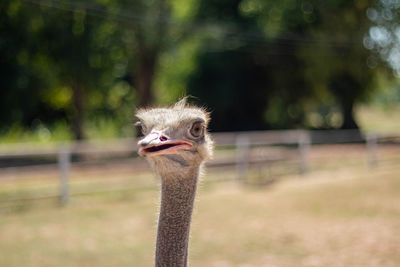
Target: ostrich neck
pixel 177 199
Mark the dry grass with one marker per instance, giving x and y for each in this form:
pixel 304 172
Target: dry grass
pixel 338 219
pixel 347 216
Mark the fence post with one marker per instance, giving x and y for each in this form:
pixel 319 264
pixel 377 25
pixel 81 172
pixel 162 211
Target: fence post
pixel 64 159
pixel 242 156
pixel 304 144
pixel 372 147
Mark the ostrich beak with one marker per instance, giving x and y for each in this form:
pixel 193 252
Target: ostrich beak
pixel 156 143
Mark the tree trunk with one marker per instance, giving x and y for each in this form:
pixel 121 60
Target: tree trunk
pixel 346 90
pixel 150 42
pixel 144 76
pixel 348 116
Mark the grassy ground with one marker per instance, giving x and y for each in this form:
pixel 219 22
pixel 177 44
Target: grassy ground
pixel 378 119
pixel 332 216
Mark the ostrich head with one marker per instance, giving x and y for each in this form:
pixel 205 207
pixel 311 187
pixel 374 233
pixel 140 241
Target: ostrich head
pixel 175 139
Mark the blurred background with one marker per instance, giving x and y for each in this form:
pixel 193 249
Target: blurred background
pixel 305 103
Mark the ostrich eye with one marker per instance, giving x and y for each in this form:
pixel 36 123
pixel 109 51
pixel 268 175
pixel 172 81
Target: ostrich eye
pixel 197 129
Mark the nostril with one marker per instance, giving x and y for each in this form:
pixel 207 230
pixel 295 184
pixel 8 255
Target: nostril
pixel 163 138
pixel 143 143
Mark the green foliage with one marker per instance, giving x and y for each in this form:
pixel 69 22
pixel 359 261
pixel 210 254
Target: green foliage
pixel 99 128
pixel 310 54
pixel 382 39
pixel 71 65
pixel 256 64
pixel 174 69
pixel 38 133
pixel 108 128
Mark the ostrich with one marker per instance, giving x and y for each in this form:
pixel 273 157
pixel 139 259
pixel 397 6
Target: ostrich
pixel 175 143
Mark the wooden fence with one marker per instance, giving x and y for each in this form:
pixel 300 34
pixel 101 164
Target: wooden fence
pixel 242 142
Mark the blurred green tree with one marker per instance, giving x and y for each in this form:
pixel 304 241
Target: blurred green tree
pixel 72 62
pixel 78 60
pixel 257 64
pixel 150 37
pixel 301 55
pixel 25 72
pixel 85 41
pixel 383 36
pixel 382 39
pixel 231 74
pixel 338 62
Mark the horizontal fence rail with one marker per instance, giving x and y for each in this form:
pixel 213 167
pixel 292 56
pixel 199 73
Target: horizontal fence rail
pixel 79 152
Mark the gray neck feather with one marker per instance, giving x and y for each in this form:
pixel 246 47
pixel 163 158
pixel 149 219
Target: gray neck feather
pixel 177 199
